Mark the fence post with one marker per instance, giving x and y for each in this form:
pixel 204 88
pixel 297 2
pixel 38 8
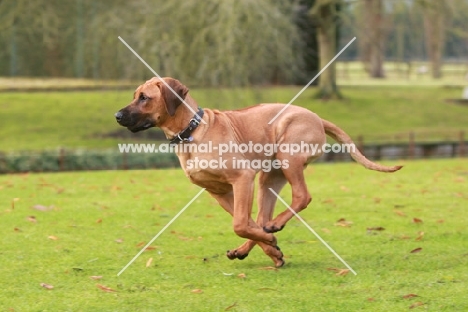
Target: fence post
pixel 360 145
pixel 61 159
pixel 411 148
pixel 461 144
pixel 124 161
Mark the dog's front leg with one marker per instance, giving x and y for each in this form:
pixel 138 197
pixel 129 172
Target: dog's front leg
pixel 243 189
pixel 227 202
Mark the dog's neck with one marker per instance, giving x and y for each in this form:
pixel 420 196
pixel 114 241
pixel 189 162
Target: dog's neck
pixel 173 125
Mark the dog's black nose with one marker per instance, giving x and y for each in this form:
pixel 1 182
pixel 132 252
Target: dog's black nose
pixel 118 116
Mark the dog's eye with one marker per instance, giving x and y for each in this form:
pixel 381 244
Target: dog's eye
pixel 143 97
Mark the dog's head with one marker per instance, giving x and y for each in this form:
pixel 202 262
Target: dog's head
pixel 153 102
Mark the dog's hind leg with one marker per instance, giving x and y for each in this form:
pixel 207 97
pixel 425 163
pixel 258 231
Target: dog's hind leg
pixel 227 202
pixel 300 195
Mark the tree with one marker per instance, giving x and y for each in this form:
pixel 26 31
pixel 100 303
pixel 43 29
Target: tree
pixel 377 37
pixel 436 16
pixel 325 13
pixel 307 28
pixel 372 28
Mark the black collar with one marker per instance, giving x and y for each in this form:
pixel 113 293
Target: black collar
pixel 185 135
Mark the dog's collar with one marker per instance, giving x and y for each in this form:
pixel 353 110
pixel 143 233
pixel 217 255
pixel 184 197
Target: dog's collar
pixel 185 135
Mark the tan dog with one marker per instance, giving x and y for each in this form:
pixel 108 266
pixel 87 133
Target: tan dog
pixel 155 105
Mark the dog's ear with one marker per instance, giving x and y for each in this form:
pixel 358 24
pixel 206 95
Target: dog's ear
pixel 172 101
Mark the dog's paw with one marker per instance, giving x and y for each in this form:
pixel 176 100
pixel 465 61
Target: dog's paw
pixel 272 228
pixel 233 254
pixel 279 262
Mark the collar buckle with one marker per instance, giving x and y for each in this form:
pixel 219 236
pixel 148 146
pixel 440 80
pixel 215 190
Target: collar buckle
pixel 185 135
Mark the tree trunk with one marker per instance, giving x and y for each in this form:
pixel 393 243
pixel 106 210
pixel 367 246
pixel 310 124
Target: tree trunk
pixel 434 22
pixel 326 36
pixel 374 33
pixel 377 47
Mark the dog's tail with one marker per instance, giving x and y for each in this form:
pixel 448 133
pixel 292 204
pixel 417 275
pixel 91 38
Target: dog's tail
pixel 340 136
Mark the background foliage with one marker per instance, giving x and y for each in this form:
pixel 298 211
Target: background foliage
pixel 216 43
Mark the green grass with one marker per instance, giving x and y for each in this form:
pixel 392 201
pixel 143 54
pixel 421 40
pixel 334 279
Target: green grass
pixel 33 121
pixel 44 84
pixel 89 211
pixel 402 74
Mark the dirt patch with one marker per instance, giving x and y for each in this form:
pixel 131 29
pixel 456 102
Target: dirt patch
pixel 458 101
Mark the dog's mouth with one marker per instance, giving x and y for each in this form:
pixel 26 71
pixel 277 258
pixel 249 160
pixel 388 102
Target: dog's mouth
pixel 134 122
pixel 137 128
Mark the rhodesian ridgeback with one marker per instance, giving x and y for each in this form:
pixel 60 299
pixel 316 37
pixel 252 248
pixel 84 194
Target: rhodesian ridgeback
pixel 159 103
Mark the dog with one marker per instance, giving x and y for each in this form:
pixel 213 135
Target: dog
pixel 159 102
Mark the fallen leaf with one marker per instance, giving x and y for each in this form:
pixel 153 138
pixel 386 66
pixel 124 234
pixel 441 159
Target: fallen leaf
pixel 150 248
pixel 328 201
pixel 14 200
pixel 140 244
pixel 99 221
pixel 326 230
pixel 241 275
pixel 115 188
pixel 184 238
pixel 404 237
pixel 416 304
pixel 47 286
pixel 343 222
pixel 370 299
pixel 400 213
pixel 105 288
pixel 420 236
pixel 148 263
pixel 95 277
pixel 119 240
pixel 60 190
pixel 52 237
pixel 17 230
pixel 269 268
pixel 417 220
pixel 440 221
pixel 333 269
pixel 40 208
pixel 379 228
pixel 342 272
pixel 197 291
pixel 408 296
pixel 377 200
pixel 416 250
pixel 231 306
pixel 31 219
pixel 339 272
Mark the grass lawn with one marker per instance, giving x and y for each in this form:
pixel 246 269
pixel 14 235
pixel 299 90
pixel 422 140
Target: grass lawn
pixel 47 120
pixel 61 229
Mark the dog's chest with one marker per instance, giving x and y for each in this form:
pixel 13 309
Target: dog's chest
pixel 209 180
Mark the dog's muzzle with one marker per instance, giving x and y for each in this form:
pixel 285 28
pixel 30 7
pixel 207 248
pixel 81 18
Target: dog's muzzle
pixel 118 116
pixel 132 122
